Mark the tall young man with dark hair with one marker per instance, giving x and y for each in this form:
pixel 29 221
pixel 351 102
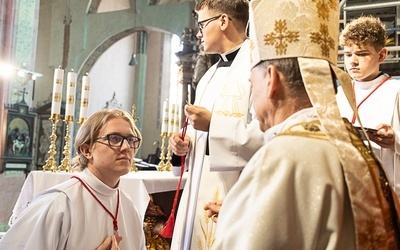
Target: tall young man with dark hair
pixel 314 184
pixel 224 133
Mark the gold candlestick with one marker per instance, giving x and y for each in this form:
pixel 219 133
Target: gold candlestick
pixel 161 164
pixel 81 120
pixel 50 162
pixel 65 163
pixel 135 119
pixel 168 164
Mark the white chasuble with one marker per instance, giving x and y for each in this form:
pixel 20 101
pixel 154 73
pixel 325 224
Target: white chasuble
pixel 234 136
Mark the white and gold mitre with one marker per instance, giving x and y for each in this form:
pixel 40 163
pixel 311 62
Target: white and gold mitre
pixel 294 28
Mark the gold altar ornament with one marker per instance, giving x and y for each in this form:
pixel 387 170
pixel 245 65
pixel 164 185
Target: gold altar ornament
pixel 135 119
pixel 65 163
pixel 50 162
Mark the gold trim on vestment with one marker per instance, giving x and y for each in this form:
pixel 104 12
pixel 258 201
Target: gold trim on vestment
pixel 369 236
pixel 206 239
pixel 306 129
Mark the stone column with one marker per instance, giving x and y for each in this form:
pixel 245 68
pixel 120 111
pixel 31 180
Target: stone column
pixel 140 74
pixel 187 61
pixel 8 13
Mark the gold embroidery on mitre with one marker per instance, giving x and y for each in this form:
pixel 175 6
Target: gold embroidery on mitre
pixel 207 239
pixel 281 37
pixel 231 94
pixel 324 7
pixel 323 39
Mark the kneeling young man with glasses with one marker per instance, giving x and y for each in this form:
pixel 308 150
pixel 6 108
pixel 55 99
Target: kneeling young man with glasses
pixel 89 211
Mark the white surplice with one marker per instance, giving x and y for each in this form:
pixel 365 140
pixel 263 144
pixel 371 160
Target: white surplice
pixel 382 106
pixel 67 216
pixel 234 136
pixel 291 195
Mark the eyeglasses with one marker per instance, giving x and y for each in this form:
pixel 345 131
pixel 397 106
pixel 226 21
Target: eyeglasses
pixel 115 140
pixel 206 21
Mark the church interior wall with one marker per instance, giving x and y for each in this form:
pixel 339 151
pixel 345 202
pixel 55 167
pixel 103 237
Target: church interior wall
pixel 56 40
pixel 149 123
pixel 111 66
pixel 90 47
pixel 109 70
pixel 43 57
pixel 157 89
pixel 112 74
pixel 115 5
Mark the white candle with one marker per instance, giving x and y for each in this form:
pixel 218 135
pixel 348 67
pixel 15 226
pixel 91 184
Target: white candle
pixel 71 90
pixel 57 91
pixel 164 122
pixel 171 118
pixel 176 118
pixel 84 98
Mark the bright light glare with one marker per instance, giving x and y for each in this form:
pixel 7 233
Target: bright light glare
pixel 6 70
pixel 174 86
pixel 21 73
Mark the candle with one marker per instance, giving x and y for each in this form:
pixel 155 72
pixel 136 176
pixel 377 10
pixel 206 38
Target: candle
pixel 84 98
pixel 57 91
pixel 71 89
pixel 164 124
pixel 176 118
pixel 171 118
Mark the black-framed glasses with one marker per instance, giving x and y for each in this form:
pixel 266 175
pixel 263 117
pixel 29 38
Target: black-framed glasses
pixel 115 140
pixel 202 24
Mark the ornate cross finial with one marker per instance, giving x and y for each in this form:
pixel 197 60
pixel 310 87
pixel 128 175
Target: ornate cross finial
pixel 135 118
pixel 23 92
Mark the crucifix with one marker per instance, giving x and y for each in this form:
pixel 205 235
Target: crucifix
pixel 23 92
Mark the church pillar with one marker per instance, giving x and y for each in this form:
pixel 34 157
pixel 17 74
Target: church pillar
pixel 7 14
pixel 140 74
pixel 187 60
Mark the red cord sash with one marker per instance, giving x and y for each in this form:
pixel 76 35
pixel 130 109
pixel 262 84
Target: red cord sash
pixel 354 95
pixel 115 221
pixel 168 229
